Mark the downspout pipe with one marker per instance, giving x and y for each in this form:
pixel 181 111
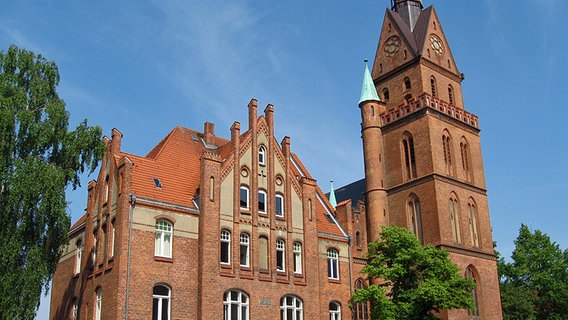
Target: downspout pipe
pixel 128 252
pixel 350 273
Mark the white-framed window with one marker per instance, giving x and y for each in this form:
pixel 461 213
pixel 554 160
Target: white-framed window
pixel 78 256
pixel 361 309
pixel 297 257
pixel 75 311
pixel 244 197
pixel 262 155
pixel 291 308
pixel 262 205
pixel 334 311
pixel 332 264
pixel 161 303
pixel 236 305
pixel 99 303
pixel 163 244
pixel 280 255
pixel 279 202
pixel 225 246
pixel 245 249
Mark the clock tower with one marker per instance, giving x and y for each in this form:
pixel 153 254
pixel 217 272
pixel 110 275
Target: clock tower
pixel 427 147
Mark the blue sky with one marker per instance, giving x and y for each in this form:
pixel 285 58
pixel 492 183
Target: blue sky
pixel 147 66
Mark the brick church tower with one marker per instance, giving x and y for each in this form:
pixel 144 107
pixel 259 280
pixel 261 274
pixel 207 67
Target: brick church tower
pixel 422 152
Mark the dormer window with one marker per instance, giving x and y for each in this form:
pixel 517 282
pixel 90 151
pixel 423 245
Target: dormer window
pixel 261 155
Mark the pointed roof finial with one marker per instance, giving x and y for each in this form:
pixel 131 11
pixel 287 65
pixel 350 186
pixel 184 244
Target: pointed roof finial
pixel 332 196
pixel 368 92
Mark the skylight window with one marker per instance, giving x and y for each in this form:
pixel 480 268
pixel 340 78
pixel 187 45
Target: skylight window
pixel 157 183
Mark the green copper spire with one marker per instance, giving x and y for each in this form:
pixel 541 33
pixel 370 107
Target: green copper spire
pixel 332 196
pixel 369 92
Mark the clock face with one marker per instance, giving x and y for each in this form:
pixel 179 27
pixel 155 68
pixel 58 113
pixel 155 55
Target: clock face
pixel 436 44
pixel 391 46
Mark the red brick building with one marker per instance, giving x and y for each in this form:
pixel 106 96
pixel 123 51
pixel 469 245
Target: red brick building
pixel 204 227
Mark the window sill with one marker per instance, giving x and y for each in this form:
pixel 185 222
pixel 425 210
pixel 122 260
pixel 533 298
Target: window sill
pixel 245 268
pixel 298 275
pixel 280 218
pixel 225 266
pixel 245 211
pixel 163 259
pixel 334 280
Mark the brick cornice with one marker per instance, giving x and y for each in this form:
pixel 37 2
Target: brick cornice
pixel 435 176
pixel 478 253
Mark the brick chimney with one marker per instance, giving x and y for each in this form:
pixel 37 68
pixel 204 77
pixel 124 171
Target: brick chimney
pixel 209 133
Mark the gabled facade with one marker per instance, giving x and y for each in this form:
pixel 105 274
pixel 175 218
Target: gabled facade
pixel 205 228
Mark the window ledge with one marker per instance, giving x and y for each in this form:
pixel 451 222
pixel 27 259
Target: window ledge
pixel 226 266
pixel 245 268
pixel 333 280
pixel 280 218
pixel 163 259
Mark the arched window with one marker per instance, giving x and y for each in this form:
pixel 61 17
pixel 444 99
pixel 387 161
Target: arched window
pixel 473 314
pixel 164 231
pixel 78 256
pixel 291 308
pixel 451 94
pixel 472 220
pixel 465 156
pixel 245 249
pixel 280 255
pixel 332 264
pixel 161 303
pixel 407 84
pixel 297 257
pixel 415 217
pixel 225 246
pixel 334 311
pixel 447 148
pixel 244 197
pixel 409 157
pixel 455 219
pixel 262 205
pixel 279 203
pixel 98 303
pixel 263 253
pixel 261 155
pixel 236 305
pixel 361 309
pixel 386 95
pixel 433 86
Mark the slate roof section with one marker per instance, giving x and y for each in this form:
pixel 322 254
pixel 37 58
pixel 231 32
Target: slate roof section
pixel 353 191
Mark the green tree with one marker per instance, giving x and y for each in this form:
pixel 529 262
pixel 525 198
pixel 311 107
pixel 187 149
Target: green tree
pixel 535 284
pixel 39 158
pixel 414 282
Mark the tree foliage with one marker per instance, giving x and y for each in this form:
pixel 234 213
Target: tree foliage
pixel 414 282
pixel 535 284
pixel 39 157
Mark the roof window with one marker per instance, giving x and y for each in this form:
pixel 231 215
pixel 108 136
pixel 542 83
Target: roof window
pixel 157 183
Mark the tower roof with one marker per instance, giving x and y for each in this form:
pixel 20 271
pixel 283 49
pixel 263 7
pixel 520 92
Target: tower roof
pixel 409 10
pixel 368 92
